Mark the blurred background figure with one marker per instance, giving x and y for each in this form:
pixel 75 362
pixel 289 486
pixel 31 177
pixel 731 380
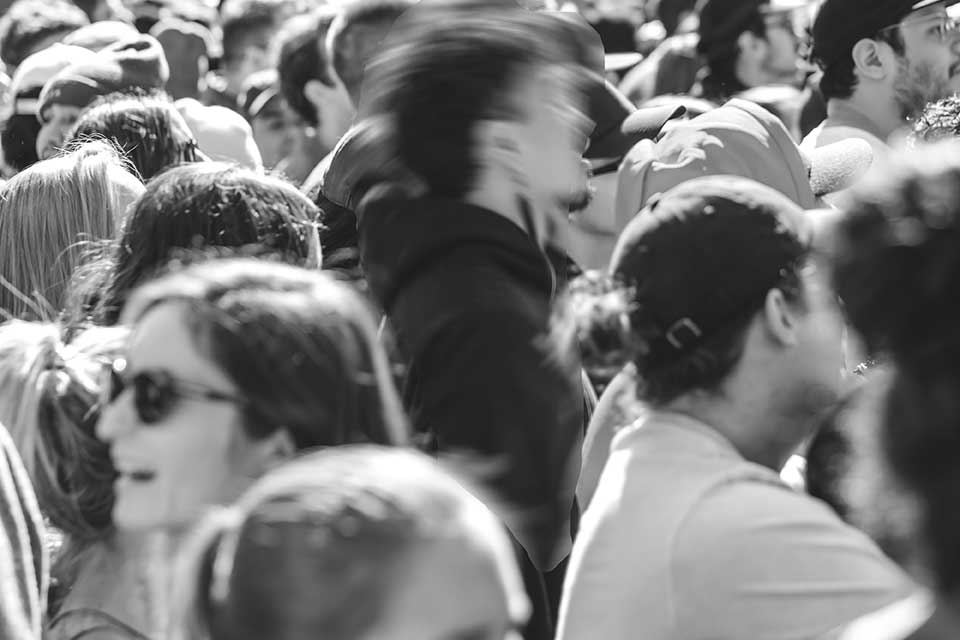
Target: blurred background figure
pixel 30 26
pixel 353 542
pixel 896 268
pixel 273 125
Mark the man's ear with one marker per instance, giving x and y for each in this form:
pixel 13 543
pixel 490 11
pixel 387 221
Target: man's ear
pixel 320 94
pixel 872 59
pixel 270 452
pixel 780 319
pixel 496 142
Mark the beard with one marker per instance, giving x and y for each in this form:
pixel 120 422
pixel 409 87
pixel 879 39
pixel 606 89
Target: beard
pixel 917 85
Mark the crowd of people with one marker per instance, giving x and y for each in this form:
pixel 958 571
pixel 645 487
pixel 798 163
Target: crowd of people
pixel 479 320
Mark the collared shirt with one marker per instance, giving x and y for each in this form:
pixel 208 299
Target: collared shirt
pixel 685 539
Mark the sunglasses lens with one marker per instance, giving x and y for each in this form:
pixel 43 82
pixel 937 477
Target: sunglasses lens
pixel 153 396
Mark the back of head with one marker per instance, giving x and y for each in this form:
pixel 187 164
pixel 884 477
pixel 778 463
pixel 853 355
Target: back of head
pixel 326 545
pixel 356 37
pixel 49 214
pixel 209 204
pixel 303 57
pixel 898 272
pixel 300 346
pixel 49 394
pixel 31 25
pixel 688 276
pixel 148 130
pixel 444 71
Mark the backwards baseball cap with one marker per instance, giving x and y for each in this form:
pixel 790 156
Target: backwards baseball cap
pixel 703 255
pixel 722 21
pixel 841 24
pixel 38 69
pixel 742 139
pixel 136 63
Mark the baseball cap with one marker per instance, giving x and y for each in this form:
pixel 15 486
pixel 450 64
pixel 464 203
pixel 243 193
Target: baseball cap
pixel 722 21
pixel 703 255
pixel 743 139
pixel 840 24
pixel 38 69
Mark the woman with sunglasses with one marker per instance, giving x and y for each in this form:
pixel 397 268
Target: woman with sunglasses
pixel 234 366
pixel 101 579
pixel 350 543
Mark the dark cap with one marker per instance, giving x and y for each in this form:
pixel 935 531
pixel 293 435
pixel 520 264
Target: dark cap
pixel 722 21
pixel 703 255
pixel 841 24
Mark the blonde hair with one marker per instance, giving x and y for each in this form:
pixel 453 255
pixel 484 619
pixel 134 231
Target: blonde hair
pixel 49 395
pixel 49 214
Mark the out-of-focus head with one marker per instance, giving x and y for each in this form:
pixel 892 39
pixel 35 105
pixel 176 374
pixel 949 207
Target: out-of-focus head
pixel 713 279
pixel 136 65
pixel 748 43
pixel 357 35
pixel 30 26
pixel 899 50
pixel 897 269
pixel 203 205
pixel 307 79
pixel 49 215
pixel 49 401
pixel 484 104
pixel 187 46
pixel 357 542
pixel 20 127
pixel 248 27
pixel 148 130
pixel 240 364
pixel 273 124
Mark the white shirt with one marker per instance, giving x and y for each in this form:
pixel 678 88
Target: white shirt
pixel 686 540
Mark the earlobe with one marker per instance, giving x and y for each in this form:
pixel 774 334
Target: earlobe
pixel 780 319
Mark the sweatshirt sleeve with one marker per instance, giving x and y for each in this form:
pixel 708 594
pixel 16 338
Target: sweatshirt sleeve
pixel 23 556
pixel 508 414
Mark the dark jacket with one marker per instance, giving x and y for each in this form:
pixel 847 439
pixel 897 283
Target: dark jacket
pixel 468 295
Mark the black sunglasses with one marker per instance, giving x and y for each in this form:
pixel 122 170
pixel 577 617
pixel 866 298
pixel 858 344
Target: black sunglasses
pixel 155 393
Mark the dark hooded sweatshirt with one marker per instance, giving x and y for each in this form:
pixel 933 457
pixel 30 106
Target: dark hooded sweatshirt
pixel 468 295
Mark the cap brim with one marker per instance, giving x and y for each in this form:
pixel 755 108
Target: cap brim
pixel 835 167
pixel 648 122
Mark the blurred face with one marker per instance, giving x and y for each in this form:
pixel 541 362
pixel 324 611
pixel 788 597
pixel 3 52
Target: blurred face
pixel 455 590
pixel 179 456
pixel 783 29
pixel 273 131
pixel 551 138
pixel 57 122
pixel 930 66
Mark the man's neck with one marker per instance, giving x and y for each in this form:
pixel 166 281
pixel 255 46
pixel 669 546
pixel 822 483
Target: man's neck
pixel 877 117
pixel 506 203
pixel 751 427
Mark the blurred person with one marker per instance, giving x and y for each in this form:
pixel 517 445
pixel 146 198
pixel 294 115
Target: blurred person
pixel 352 542
pixel 130 66
pixel 197 206
pixel 49 214
pixel 20 126
pixel 148 130
pixel 105 10
pixel 882 63
pixel 308 82
pixel 238 365
pixel 738 45
pixel 30 26
pixel 101 580
pixel 247 28
pixel 896 269
pixel 271 121
pixel 485 131
pixel 691 533
pixel 187 47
